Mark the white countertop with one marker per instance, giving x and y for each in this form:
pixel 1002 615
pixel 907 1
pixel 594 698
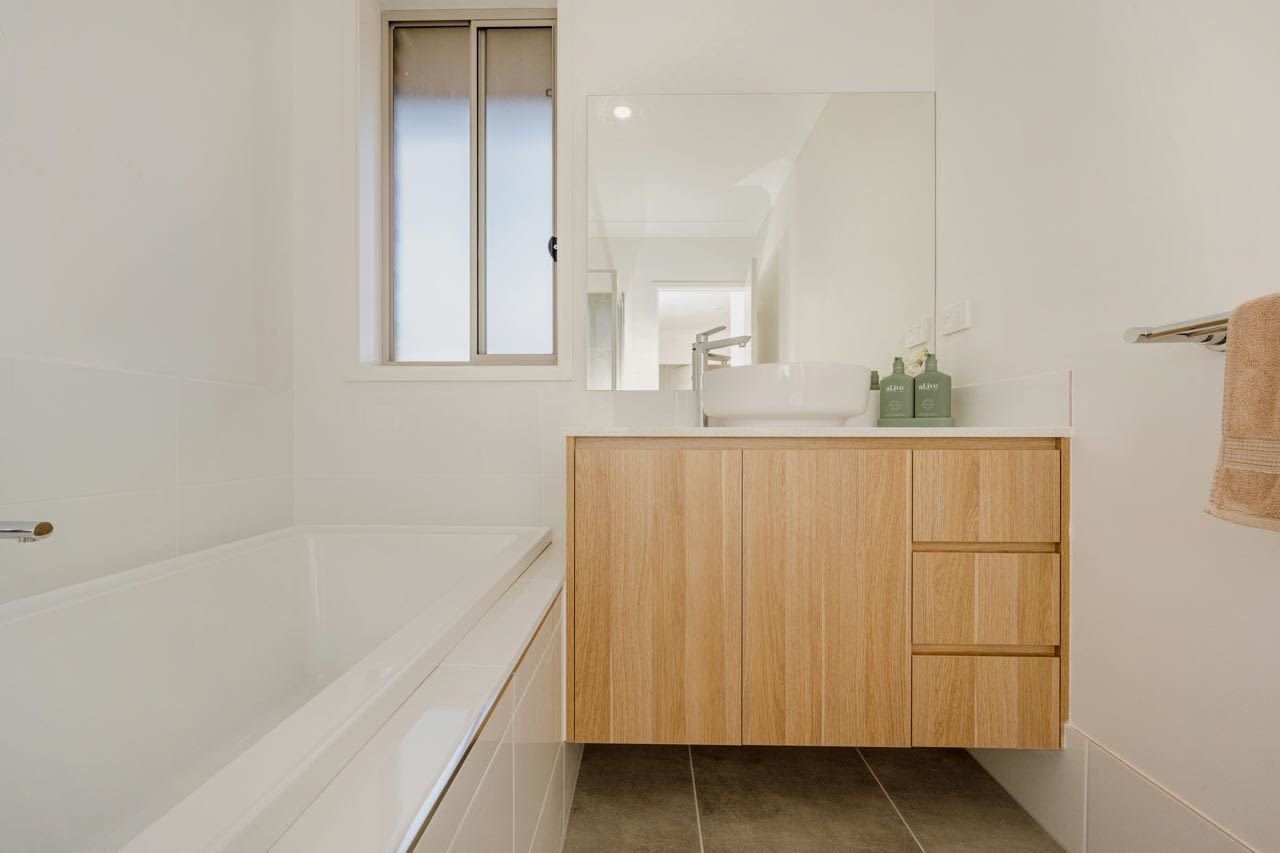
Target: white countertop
pixel 821 432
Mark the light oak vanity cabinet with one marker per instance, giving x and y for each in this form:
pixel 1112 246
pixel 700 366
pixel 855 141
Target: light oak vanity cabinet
pixel 837 591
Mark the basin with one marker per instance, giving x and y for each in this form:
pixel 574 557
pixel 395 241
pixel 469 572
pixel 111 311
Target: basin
pixel 785 395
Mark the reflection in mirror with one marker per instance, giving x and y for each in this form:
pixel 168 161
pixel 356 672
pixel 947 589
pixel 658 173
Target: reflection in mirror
pixel 804 221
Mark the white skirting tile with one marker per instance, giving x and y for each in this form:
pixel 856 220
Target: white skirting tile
pixel 1090 800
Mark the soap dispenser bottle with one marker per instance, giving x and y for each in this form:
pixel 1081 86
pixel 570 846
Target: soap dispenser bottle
pixel 933 391
pixel 897 394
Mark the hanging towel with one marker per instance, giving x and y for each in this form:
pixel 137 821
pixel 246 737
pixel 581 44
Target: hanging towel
pixel 1246 486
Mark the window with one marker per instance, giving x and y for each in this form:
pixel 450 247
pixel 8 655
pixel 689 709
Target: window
pixel 470 192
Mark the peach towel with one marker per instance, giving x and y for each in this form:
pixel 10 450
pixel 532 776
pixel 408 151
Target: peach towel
pixel 1246 487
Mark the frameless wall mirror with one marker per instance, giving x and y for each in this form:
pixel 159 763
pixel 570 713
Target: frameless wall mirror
pixel 804 221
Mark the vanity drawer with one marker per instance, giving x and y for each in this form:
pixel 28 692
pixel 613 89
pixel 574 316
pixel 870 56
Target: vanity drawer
pixel 986 599
pixel 996 495
pixel 985 701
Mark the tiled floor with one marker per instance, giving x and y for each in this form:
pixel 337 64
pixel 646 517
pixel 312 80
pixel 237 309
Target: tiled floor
pixel 793 799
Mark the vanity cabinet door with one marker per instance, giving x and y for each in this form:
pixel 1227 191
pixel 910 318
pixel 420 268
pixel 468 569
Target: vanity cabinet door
pixel 826 645
pixel 658 595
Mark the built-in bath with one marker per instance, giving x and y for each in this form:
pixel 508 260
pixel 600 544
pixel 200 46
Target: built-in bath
pixel 203 703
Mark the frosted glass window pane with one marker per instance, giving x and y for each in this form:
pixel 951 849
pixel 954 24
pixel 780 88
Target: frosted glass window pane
pixel 518 277
pixel 431 194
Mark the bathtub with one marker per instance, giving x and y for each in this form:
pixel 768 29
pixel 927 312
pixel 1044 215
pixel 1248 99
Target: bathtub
pixel 202 703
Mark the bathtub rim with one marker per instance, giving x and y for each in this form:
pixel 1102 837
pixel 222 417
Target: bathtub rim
pixel 40 603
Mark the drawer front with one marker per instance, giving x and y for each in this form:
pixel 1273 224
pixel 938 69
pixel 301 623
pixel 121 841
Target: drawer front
pixel 985 701
pixel 987 495
pixel 986 599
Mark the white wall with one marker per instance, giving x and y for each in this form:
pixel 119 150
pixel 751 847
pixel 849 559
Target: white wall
pixel 1100 165
pixel 491 452
pixel 144 337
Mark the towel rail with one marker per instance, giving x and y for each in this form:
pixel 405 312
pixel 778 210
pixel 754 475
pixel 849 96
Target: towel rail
pixel 1210 331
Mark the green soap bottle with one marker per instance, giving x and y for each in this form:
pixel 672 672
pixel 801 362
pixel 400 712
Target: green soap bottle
pixel 933 391
pixel 896 393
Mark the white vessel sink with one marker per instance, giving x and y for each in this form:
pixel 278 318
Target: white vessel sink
pixel 785 394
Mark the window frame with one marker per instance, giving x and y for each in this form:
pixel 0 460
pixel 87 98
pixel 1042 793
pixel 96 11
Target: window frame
pixel 474 20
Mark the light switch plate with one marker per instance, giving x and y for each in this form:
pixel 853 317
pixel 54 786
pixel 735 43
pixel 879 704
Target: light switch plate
pixel 917 333
pixel 957 317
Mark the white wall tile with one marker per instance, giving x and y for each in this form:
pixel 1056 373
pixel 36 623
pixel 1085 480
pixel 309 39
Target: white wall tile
pixel 549 834
pixel 6 395
pixel 459 499
pixel 134 467
pixel 233 432
pixel 93 536
pixel 572 764
pixel 502 635
pixel 560 408
pixel 1128 813
pixel 553 504
pixel 644 408
pixel 209 515
pixel 550 635
pixel 447 820
pixel 1049 784
pixel 81 431
pixel 483 427
pixel 387 429
pixel 537 740
pixel 487 824
pixel 1028 401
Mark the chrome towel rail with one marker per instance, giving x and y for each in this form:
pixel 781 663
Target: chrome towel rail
pixel 1210 331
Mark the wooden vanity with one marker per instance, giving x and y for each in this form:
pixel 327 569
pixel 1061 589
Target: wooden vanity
pixel 837 590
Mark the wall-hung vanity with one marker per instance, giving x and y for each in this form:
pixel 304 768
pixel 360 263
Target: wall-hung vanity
pixel 856 587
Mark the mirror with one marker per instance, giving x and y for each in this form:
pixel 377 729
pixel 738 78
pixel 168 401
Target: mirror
pixel 804 221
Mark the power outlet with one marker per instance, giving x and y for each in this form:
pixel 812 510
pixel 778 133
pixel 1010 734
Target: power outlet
pixel 917 333
pixel 957 317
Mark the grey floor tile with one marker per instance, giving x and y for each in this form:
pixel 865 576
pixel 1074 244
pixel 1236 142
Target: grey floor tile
pixel 633 798
pixel 793 799
pixel 953 805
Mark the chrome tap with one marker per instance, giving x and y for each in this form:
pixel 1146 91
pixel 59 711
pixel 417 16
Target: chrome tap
pixel 703 348
pixel 25 531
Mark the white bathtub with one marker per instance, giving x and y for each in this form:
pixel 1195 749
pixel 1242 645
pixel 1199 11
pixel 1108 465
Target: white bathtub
pixel 203 702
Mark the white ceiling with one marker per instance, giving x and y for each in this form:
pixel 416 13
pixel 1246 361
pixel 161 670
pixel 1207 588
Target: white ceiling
pixel 692 165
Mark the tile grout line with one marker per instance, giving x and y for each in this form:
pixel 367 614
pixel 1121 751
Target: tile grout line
pixel 697 812
pixel 892 804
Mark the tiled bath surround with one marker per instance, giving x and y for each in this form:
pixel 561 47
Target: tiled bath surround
pixel 506 463
pixel 145 348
